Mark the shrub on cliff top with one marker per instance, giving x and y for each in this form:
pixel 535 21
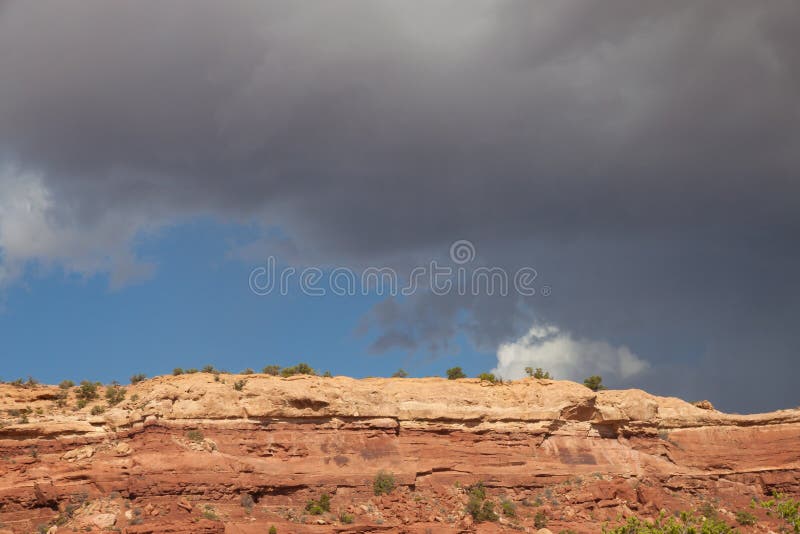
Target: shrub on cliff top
pixel 489 377
pixel 454 373
pixel 538 373
pixel 115 395
pixel 400 373
pixel 87 391
pixel 141 377
pixel 384 483
pixel 299 369
pixel 66 384
pixel 594 382
pixel 273 370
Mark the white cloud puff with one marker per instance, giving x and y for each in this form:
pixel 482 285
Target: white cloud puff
pixel 565 357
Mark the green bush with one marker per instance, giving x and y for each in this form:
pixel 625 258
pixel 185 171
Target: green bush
pixel 191 371
pixel 540 519
pixel 346 518
pixel 135 379
pixel 745 518
pixel 115 395
pixel 400 373
pixel 508 507
pixel 208 368
pixel 299 369
pixel 318 507
pixel 684 523
pixel 177 371
pixel 384 483
pixel 87 391
pixel 248 371
pixel 195 435
pixel 66 384
pixel 785 508
pixel 478 506
pixel 239 385
pixel 273 530
pixel 538 373
pixel 210 514
pixel 454 373
pixel 489 377
pixel 98 410
pixel 594 382
pixel 273 370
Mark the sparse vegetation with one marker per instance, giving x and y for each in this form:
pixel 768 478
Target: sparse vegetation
pixel 208 368
pixel 454 373
pixel 383 484
pixel 509 508
pixel 299 369
pixel 488 377
pixel 785 508
pixel 239 385
pixel 273 370
pixel 594 382
pixel 540 519
pixel 319 506
pixel 177 371
pixel 745 518
pixel 346 518
pixel 115 395
pixel 247 502
pixel 135 379
pixel 191 371
pixel 98 410
pixel 195 435
pixel 684 522
pixel 273 530
pixel 538 373
pixel 210 514
pixel 66 384
pixel 400 373
pixel 248 371
pixel 478 506
pixel 86 392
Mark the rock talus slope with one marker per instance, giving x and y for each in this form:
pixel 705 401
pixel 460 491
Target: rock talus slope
pixel 239 454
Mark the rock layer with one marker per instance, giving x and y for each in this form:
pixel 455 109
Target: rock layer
pixel 228 453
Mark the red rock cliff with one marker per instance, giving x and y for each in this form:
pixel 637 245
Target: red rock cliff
pixel 199 453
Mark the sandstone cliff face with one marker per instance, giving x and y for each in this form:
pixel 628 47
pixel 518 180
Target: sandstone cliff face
pixel 199 453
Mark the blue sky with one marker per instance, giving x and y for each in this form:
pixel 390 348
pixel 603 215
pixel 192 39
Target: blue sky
pixel 196 309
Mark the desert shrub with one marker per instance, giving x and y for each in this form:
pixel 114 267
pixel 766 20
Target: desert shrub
pixel 195 435
pixel 115 395
pixel 454 373
pixel 135 379
pixel 594 382
pixel 540 519
pixel 87 391
pixel 134 397
pixel 66 384
pixel 400 373
pixel 509 508
pixel 239 385
pixel 247 502
pixel 299 369
pixel 489 377
pixel 98 410
pixel 191 371
pixel 273 370
pixel 478 506
pixel 177 371
pixel 745 518
pixel 210 514
pixel 248 371
pixel 346 518
pixel 785 508
pixel 319 506
pixel 273 530
pixel 383 483
pixel 208 368
pixel 327 374
pixel 684 522
pixel 538 373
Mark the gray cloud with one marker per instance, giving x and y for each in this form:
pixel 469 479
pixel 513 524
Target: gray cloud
pixel 644 158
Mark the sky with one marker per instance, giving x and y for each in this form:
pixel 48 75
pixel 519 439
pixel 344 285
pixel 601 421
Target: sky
pixel 637 162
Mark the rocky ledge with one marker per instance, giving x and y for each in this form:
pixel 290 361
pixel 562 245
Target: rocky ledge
pixel 243 453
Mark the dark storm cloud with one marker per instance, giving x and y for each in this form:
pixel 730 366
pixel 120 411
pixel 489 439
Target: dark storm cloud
pixel 642 157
